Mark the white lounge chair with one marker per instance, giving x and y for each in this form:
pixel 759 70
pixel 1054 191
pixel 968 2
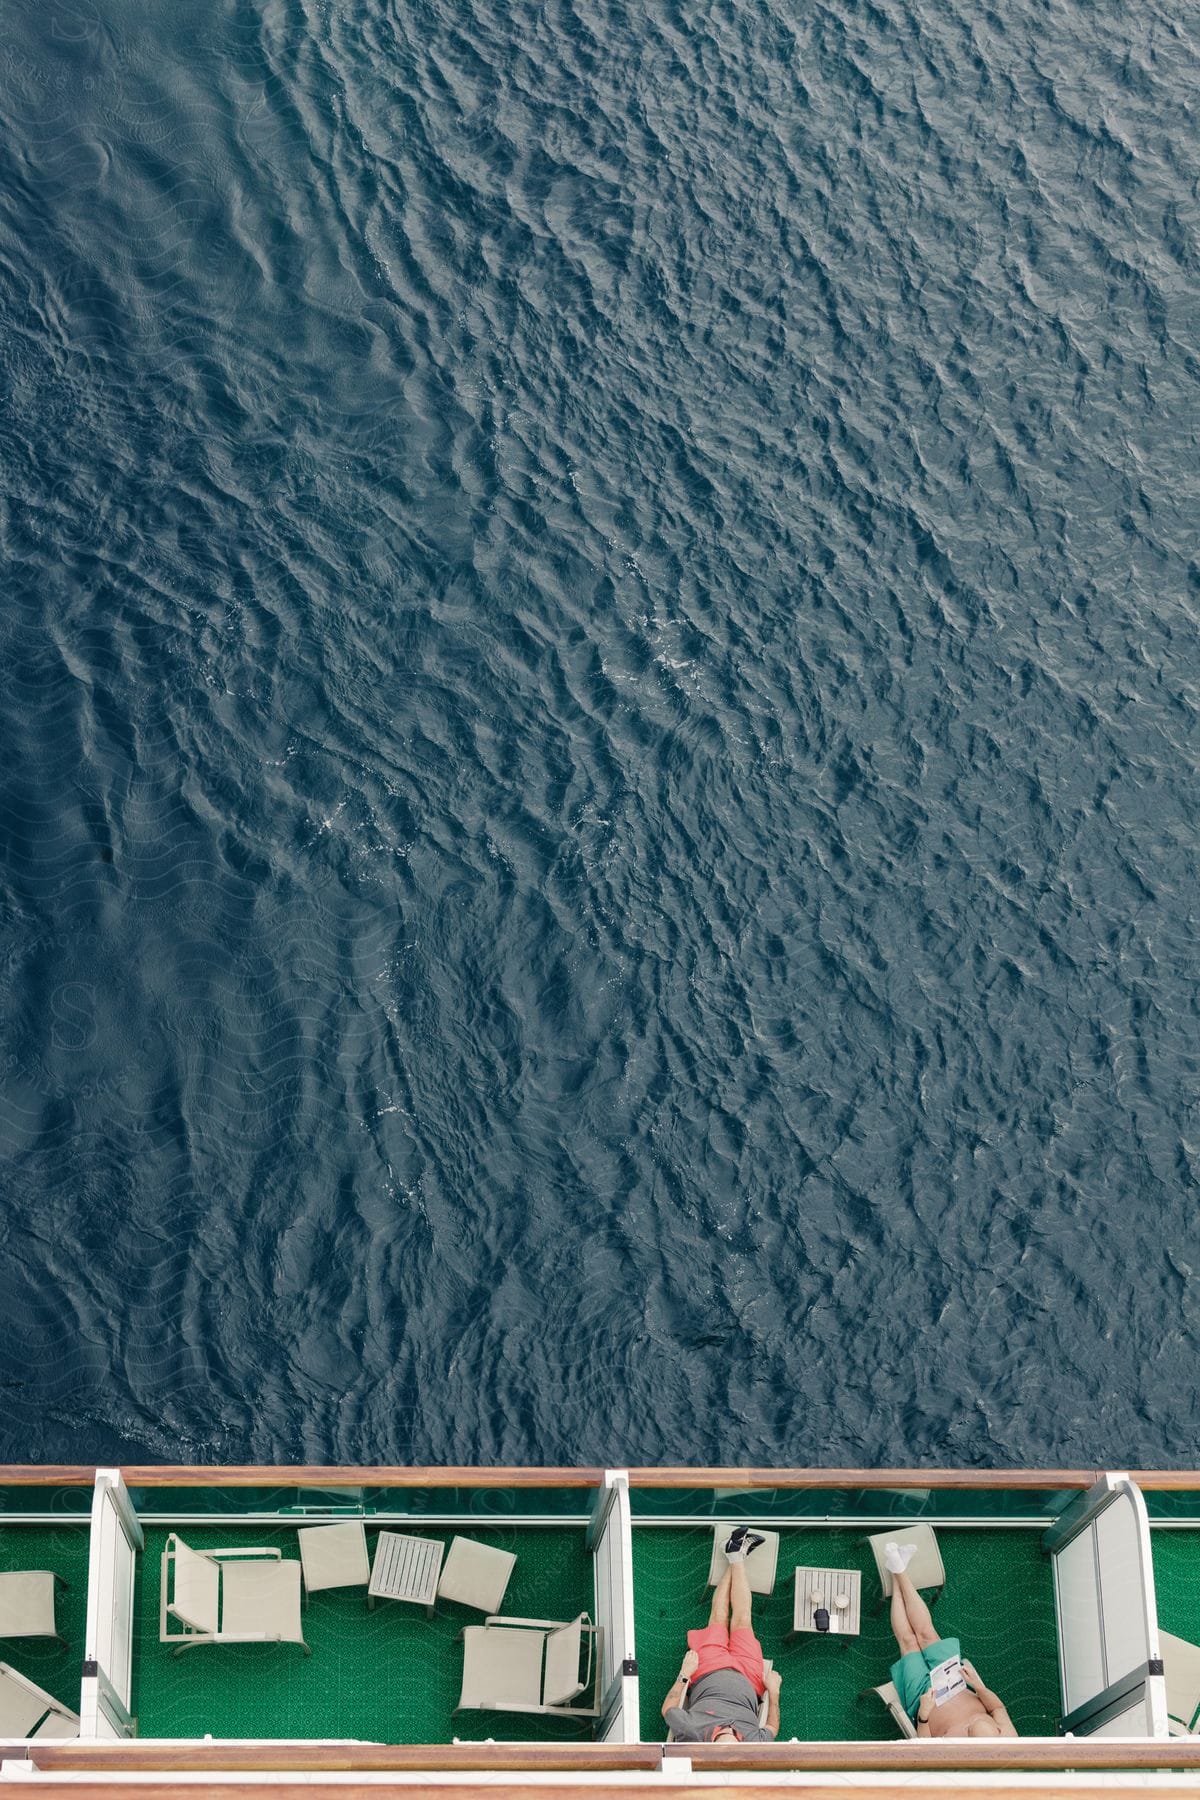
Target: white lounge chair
pixel 759 1565
pixel 530 1666
pixel 228 1597
pixel 334 1556
pixel 28 1711
pixel 476 1574
pixel 1181 1667
pixel 925 1570
pixel 891 1699
pixel 27 1604
pixel 764 1705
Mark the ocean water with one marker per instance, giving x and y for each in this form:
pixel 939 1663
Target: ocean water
pixel 599 731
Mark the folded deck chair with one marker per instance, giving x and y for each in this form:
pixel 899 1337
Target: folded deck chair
pixel 891 1699
pixel 28 1711
pixel 1181 1667
pixel 530 1666
pixel 228 1597
pixel 764 1705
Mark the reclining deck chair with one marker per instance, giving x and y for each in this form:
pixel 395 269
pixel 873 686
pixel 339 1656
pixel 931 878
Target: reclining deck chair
pixel 530 1666
pixel 926 1569
pixel 764 1704
pixel 228 1597
pixel 1181 1666
pixel 891 1699
pixel 28 1711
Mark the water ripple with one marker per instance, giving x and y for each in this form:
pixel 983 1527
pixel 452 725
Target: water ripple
pixel 600 730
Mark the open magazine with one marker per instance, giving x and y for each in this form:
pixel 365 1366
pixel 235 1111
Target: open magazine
pixel 947 1680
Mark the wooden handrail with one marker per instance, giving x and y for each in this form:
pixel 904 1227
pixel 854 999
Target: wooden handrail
pixel 304 1475
pixel 676 1476
pixel 913 1756
pixel 231 1788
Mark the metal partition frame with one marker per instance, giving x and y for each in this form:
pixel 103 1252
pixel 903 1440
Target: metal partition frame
pixel 610 1539
pixel 116 1540
pixel 1110 1665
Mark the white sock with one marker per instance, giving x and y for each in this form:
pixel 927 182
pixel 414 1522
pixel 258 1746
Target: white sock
pixel 735 1556
pixel 896 1557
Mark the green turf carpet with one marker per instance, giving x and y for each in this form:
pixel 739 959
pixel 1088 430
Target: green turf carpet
pixel 1176 1557
pixel 391 1675
pixel 64 1549
pixel 999 1600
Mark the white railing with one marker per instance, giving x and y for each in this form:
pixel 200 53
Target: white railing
pixel 610 1539
pixel 1108 1651
pixel 116 1539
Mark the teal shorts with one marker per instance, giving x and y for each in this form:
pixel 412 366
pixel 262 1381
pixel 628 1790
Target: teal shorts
pixel 910 1676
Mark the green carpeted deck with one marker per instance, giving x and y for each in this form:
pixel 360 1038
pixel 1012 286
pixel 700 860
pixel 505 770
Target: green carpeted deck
pixel 999 1600
pixel 64 1549
pixel 391 1675
pixel 1176 1557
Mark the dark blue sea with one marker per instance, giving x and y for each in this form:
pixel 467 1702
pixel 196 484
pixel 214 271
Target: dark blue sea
pixel 600 731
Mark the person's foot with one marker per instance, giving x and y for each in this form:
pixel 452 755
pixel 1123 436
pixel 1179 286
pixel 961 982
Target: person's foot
pixel 896 1557
pixel 741 1542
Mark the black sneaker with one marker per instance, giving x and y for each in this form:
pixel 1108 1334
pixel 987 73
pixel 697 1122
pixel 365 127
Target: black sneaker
pixel 742 1539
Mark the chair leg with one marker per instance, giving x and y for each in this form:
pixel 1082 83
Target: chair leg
pixel 59 1638
pixel 63 1583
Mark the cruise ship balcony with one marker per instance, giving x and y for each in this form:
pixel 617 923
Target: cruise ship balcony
pixel 42 1622
pixel 388 1674
pixel 1065 1596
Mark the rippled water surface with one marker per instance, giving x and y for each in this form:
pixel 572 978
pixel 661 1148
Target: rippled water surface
pixel 599 730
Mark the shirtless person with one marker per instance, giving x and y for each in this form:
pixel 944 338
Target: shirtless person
pixel 978 1713
pixel 724 1666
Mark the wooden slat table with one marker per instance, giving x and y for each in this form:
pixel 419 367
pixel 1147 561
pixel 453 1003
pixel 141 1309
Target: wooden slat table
pixel 405 1568
pixel 830 1584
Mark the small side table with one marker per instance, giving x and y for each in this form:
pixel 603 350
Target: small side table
pixel 405 1568
pixel 829 1583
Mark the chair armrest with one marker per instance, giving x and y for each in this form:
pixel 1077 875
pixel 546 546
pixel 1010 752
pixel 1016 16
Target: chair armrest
pixel 251 1550
pixel 188 1633
pixel 539 1624
pixel 543 1712
pixel 592 1633
pixel 520 1706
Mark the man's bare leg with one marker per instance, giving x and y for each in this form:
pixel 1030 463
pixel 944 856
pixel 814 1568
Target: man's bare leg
pixel 719 1611
pixel 906 1637
pixel 740 1598
pixel 919 1618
